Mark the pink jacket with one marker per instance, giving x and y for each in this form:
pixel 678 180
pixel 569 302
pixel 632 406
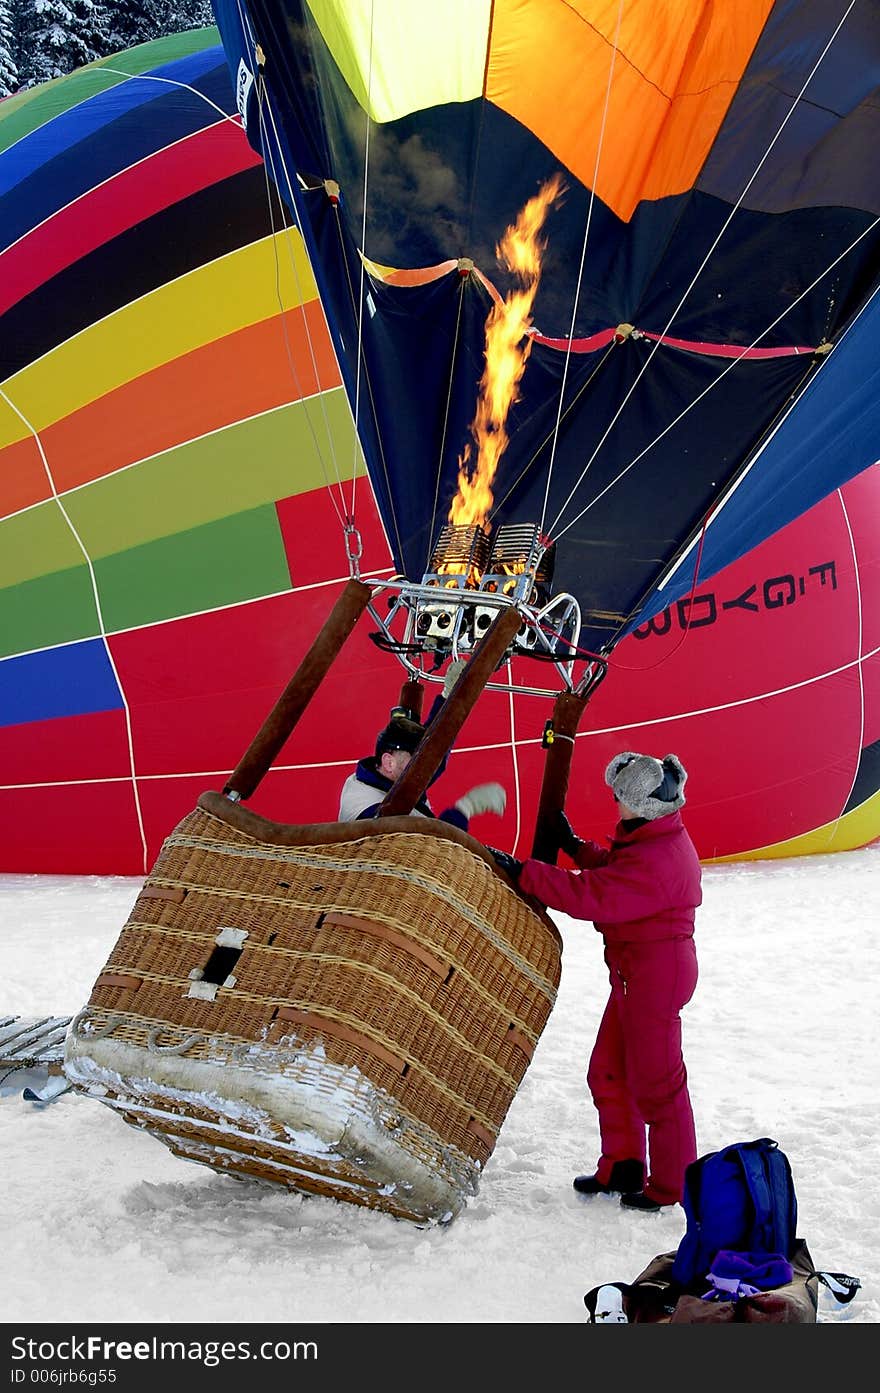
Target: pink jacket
pixel 647 886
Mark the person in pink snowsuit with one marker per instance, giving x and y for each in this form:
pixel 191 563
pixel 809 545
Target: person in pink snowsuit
pixel 642 895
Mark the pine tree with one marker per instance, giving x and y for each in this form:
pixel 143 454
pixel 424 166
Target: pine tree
pixel 56 36
pixel 194 14
pixel 137 21
pixel 42 39
pixel 9 79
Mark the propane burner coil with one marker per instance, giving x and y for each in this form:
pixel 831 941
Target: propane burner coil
pixel 521 564
pixel 519 549
pixel 459 551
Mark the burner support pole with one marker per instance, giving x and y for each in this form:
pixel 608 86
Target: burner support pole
pixel 440 735
pixel 567 712
pixel 412 695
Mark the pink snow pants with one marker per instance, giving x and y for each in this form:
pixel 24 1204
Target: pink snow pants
pixel 636 1074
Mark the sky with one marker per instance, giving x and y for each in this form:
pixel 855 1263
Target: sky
pixel 102 1223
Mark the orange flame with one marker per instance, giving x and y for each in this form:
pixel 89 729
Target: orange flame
pixel 507 349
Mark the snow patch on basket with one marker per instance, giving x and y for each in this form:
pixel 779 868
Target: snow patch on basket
pixel 323 1126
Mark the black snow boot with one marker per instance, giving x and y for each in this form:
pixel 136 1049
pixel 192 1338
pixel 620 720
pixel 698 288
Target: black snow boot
pixel 642 1202
pixel 627 1178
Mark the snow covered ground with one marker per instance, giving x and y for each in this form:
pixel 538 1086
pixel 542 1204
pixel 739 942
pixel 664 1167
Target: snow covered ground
pixel 102 1223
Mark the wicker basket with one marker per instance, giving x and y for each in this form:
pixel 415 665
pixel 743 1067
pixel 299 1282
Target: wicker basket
pixel 345 1009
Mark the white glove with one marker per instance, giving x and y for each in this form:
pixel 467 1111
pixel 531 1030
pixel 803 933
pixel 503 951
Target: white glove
pixel 485 798
pixel 452 676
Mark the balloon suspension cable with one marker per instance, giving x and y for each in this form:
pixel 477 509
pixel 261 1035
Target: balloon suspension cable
pixel 360 298
pixel 465 267
pixel 734 362
pixel 335 199
pixel 354 548
pixel 577 292
pixel 733 483
pixel 555 528
pixel 270 148
pixel 552 434
pixel 699 538
pixel 331 190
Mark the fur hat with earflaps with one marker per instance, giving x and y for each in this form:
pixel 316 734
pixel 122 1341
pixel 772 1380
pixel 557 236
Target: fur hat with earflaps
pixel 644 785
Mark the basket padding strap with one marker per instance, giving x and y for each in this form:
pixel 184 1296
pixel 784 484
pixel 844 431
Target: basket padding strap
pixel 177 893
pixel 488 1138
pixel 343 1032
pixel 370 926
pixel 119 979
pixel 521 1041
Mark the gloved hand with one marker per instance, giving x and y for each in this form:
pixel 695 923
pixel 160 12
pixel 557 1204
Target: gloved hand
pixel 568 840
pixel 507 862
pixel 452 676
pixel 484 798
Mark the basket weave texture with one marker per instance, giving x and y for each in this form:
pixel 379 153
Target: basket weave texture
pixel 385 1002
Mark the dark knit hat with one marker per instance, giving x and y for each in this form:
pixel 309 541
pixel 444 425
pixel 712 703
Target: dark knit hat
pixel 646 786
pixel 400 734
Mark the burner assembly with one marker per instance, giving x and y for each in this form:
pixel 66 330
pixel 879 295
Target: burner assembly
pixel 457 564
pixel 473 575
pixel 521 569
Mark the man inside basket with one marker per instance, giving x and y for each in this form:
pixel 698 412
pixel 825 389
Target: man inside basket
pixel 364 791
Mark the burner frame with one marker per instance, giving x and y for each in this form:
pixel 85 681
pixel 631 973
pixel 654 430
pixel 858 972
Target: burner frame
pixel 447 613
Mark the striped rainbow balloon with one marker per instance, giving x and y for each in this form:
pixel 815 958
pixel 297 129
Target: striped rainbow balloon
pixel 176 454
pixel 170 417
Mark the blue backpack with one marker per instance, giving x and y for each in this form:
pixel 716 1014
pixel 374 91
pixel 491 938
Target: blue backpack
pixel 742 1198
